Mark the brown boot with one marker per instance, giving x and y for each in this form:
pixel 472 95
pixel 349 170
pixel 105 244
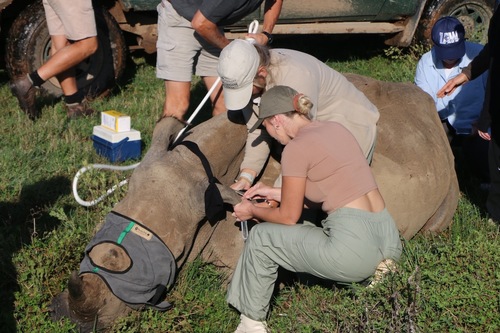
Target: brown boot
pixel 25 92
pixel 77 110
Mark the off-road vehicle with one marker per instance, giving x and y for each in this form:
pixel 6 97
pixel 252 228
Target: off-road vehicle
pixel 128 25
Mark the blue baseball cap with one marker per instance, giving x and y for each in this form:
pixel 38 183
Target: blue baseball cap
pixel 448 35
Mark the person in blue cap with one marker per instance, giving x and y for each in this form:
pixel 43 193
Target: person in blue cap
pixel 460 110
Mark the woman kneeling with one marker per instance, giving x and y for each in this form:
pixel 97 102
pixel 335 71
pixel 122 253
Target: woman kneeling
pixel 322 163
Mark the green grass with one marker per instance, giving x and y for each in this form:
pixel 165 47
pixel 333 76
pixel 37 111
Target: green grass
pixel 445 283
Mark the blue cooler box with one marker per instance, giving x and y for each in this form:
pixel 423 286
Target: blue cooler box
pixel 117 146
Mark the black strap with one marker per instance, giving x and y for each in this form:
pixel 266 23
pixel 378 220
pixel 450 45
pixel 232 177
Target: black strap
pixel 160 290
pixel 214 204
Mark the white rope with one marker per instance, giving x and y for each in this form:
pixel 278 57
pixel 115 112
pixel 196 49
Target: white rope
pixel 252 29
pixel 108 192
pixel 195 112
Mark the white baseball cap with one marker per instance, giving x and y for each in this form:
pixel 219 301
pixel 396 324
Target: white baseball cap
pixel 238 65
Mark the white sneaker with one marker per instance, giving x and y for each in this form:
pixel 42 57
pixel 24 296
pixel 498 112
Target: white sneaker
pixel 248 325
pixel 385 266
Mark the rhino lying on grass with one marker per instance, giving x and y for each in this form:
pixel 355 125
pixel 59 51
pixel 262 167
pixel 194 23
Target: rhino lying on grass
pixel 413 165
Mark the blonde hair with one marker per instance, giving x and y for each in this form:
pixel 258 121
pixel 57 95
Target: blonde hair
pixel 302 105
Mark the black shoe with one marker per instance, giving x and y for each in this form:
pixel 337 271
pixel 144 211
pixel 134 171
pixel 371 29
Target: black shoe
pixel 77 110
pixel 25 92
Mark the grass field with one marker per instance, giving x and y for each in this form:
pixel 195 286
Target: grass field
pixel 445 283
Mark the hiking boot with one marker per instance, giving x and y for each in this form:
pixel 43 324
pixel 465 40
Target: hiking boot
pixel 77 110
pixel 248 325
pixel 25 92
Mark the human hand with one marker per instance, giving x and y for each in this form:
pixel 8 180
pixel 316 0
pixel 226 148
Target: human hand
pixel 484 135
pixel 262 191
pixel 259 38
pixel 240 184
pixel 243 210
pixel 451 85
pixel 244 180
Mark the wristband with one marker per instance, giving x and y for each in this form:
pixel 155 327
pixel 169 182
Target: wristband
pixel 247 176
pixel 269 37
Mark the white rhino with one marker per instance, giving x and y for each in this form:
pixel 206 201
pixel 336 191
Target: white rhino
pixel 413 165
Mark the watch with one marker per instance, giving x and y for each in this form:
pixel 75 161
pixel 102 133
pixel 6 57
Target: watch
pixel 269 37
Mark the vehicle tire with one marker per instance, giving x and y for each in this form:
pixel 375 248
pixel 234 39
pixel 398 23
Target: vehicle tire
pixel 28 47
pixel 475 15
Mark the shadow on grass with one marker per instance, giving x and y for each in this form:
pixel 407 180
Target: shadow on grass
pixel 21 221
pixel 128 75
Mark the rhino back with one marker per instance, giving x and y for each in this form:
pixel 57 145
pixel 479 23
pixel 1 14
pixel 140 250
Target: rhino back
pixel 413 162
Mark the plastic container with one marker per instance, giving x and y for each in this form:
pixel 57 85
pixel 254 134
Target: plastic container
pixel 115 121
pixel 117 146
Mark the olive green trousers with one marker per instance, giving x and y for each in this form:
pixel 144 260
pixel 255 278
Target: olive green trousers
pixel 347 248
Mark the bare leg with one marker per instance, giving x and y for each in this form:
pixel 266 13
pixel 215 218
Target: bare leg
pixel 217 96
pixel 176 99
pixel 65 56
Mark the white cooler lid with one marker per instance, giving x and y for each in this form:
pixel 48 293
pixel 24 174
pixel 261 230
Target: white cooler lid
pixel 113 137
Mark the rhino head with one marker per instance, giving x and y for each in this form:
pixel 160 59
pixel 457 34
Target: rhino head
pixel 166 196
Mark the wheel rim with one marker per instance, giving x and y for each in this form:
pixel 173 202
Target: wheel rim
pixel 475 20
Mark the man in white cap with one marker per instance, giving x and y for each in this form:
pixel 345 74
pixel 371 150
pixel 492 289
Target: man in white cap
pixel 460 110
pixel 190 38
pixel 247 70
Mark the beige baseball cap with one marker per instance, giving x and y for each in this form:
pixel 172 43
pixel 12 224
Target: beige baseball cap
pixel 238 65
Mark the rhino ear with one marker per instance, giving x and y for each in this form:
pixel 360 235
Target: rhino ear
pixel 165 132
pixel 228 194
pixel 75 286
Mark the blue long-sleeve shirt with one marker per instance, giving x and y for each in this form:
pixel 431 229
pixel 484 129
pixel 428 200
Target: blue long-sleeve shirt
pixel 463 107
